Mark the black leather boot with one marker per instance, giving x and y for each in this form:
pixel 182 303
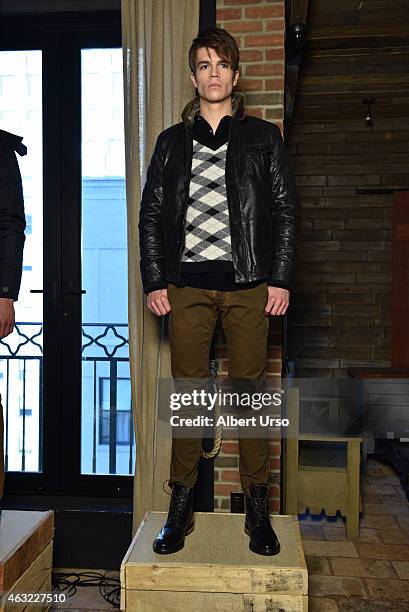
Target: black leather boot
pixel 263 539
pixel 179 524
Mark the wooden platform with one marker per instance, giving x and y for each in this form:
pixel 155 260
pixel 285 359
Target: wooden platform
pixel 215 570
pixel 26 546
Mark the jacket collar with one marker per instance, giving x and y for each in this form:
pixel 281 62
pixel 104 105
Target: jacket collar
pixel 193 106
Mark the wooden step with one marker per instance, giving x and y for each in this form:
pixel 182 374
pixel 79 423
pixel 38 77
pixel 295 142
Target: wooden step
pixel 215 570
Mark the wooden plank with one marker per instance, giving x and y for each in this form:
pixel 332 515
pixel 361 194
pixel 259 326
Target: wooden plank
pixel 125 560
pixel 24 535
pixel 214 578
pixel 353 82
pixel 327 438
pixel 330 37
pixel 291 457
pixel 370 62
pixel 36 579
pixel 353 481
pixel 378 372
pixel 354 53
pixel 371 14
pixel 299 542
pixel 169 601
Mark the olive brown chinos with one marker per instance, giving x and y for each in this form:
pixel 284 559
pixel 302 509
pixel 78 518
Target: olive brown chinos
pixel 192 321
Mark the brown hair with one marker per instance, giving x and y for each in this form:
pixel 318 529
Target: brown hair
pixel 221 41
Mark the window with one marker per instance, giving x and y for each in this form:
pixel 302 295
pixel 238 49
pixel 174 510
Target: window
pixel 61 85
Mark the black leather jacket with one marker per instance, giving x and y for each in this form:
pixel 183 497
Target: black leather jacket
pixel 261 193
pixel 12 218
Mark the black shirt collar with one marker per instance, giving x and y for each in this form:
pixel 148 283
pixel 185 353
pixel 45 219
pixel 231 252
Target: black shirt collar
pixel 202 131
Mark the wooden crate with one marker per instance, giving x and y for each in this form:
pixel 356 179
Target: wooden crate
pixel 26 549
pixel 215 570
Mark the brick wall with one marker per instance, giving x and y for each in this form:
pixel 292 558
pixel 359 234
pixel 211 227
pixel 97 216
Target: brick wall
pixel 341 312
pixel 259 29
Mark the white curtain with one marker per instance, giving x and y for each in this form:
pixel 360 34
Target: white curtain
pixel 156 37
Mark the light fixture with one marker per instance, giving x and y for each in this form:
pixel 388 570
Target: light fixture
pixel 296 39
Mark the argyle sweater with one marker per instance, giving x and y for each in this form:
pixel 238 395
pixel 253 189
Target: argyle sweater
pixel 207 217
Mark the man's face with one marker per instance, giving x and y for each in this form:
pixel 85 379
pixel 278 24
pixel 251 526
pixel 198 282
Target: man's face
pixel 214 78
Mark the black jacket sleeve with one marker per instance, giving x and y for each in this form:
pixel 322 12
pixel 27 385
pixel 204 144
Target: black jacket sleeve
pixel 286 215
pixel 151 229
pixel 12 218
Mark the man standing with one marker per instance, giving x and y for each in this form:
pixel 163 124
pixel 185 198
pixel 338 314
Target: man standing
pixel 217 229
pixel 12 226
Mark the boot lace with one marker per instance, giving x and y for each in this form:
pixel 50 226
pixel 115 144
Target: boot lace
pixel 177 507
pixel 259 511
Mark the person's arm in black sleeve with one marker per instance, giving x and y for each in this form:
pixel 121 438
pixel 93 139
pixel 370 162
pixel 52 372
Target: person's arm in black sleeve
pixel 12 226
pixel 286 215
pixel 151 220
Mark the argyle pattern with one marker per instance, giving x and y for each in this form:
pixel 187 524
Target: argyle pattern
pixel 207 217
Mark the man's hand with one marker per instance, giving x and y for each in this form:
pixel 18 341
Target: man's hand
pixel 278 300
pixel 6 316
pixel 158 302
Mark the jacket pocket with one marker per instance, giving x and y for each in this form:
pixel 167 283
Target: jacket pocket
pixel 256 150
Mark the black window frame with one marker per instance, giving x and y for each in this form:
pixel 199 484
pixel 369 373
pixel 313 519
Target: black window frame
pixel 61 36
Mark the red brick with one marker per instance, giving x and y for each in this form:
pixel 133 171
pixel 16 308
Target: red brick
pixel 275 54
pixel 275 463
pixel 388 589
pixel 274 25
pixel 225 489
pixel 264 69
pixel 274 491
pixel 265 40
pixel 230 448
pixel 230 475
pixel 374 550
pixel 243 26
pixel 275 449
pixel 250 55
pixel 228 13
pixel 274 352
pixel 274 84
pixel 272 367
pixel 255 112
pixel 275 10
pixel 241 2
pixel 250 85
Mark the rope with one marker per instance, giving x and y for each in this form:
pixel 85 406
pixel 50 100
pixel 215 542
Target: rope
pixel 218 428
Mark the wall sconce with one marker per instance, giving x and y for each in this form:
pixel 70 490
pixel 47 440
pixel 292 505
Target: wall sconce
pixel 368 117
pixel 296 38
